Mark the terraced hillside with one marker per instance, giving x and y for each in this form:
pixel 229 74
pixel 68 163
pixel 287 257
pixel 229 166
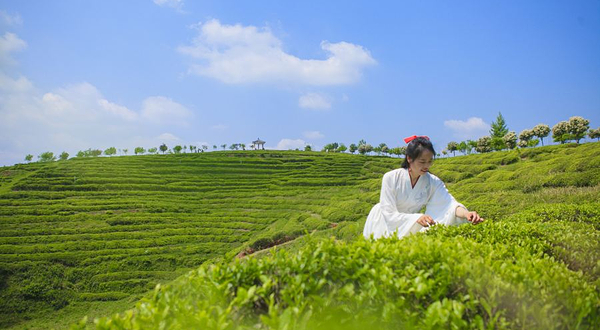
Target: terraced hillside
pixel 534 264
pixel 84 231
pixel 91 236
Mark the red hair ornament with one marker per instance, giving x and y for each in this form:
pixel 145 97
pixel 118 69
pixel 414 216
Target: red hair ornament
pixel 410 138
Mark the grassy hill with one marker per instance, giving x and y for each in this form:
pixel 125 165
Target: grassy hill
pixel 90 236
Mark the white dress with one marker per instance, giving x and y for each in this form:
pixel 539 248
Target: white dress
pixel 399 204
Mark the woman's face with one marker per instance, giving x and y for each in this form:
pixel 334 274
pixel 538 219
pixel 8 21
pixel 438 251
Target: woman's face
pixel 421 164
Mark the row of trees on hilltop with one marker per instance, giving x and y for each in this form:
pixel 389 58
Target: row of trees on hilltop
pixel 500 138
pixel 112 151
pixel 362 148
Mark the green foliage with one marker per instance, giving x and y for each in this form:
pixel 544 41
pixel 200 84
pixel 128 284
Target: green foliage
pixel 110 151
pixel 452 147
pixel 353 148
pixel 424 281
pixel 499 129
pixel 498 132
pixel 163 147
pixel 141 150
pixel 91 153
pixel 541 131
pixel 594 133
pixel 46 157
pixel 510 140
pixel 578 127
pixel 29 157
pixel 560 132
pixel 484 144
pixel 97 230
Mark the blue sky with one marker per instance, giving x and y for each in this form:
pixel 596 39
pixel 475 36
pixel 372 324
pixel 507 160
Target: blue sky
pixel 95 74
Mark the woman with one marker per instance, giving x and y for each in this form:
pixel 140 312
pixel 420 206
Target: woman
pixel 405 191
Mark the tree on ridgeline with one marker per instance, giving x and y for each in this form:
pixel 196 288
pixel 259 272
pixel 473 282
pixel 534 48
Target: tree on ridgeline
pixel 541 131
pixel 125 151
pixel 445 152
pixel 342 148
pixel 385 149
pixel 204 147
pixel 28 158
pixel 307 147
pixel 353 148
pixel 525 137
pixel 578 127
pixel 241 145
pixel 361 142
pixel 152 150
pixel 224 146
pixel 452 147
pixel 462 147
pixel 64 155
pixel 214 147
pixel 110 151
pixel 47 156
pixel 399 151
pixel 560 132
pixel 497 132
pixel 377 150
pixel 177 149
pixel 594 134
pixel 163 147
pixel 330 147
pixel 484 144
pixel 472 145
pixel 365 148
pixel 139 150
pixel 510 140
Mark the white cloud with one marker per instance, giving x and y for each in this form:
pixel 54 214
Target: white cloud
pixel 10 20
pixel 177 4
pixel 287 144
pixel 314 101
pixel 118 110
pixel 472 128
pixel 168 137
pixel 76 117
pixel 8 84
pixel 9 43
pixel 237 54
pixel 160 109
pixel 313 135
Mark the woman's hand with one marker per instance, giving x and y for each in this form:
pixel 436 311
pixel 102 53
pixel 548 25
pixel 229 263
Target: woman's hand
pixel 473 217
pixel 425 220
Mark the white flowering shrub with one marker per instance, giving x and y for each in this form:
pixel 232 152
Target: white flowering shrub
pixel 578 127
pixel 510 140
pixel 541 131
pixel 560 132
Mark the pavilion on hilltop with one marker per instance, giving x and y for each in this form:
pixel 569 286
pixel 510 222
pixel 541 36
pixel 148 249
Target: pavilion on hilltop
pixel 258 143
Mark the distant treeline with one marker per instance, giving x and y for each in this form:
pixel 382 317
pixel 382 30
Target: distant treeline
pixel 500 138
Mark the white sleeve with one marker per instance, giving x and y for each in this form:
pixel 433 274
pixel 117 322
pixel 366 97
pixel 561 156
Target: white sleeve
pixel 395 220
pixel 442 206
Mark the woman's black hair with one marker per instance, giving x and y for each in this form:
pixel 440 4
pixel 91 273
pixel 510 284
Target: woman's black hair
pixel 415 149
